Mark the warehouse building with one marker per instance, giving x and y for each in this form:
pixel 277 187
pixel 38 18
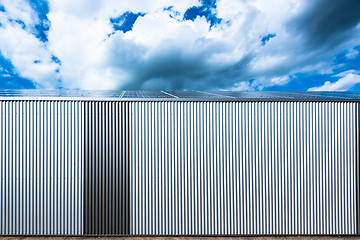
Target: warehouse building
pixel 179 163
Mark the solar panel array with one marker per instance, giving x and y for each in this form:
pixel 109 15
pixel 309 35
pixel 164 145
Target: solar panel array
pixel 116 94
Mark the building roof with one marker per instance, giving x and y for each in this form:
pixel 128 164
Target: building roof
pixel 117 95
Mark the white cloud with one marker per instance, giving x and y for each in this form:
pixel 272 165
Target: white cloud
pixel 95 9
pixel 347 80
pixel 352 53
pixel 160 51
pixel 242 86
pixel 28 55
pixel 261 82
pixel 20 10
pixel 157 52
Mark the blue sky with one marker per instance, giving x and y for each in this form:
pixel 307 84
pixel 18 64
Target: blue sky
pixel 277 45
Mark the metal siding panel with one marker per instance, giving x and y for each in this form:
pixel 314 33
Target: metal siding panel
pixel 28 162
pixel 263 168
pixel 174 168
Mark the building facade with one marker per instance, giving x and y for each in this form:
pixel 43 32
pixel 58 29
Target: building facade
pixel 179 163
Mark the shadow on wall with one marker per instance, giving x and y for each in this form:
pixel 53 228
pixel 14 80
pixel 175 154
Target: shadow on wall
pixel 106 169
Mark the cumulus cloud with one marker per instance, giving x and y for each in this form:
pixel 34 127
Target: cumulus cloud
pixel 347 80
pixel 26 52
pixel 175 45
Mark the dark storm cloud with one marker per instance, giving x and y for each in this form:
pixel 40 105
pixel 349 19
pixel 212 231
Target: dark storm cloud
pixel 170 69
pixel 175 68
pixel 327 22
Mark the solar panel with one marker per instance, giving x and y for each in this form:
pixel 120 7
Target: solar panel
pixel 180 95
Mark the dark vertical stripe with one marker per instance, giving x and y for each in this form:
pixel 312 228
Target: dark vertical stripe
pixel 106 169
pixel 86 168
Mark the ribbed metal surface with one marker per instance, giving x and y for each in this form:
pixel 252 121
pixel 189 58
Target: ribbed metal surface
pixel 243 168
pixel 106 168
pixel 41 189
pixel 178 167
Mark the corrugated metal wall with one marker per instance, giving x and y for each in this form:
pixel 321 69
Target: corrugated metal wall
pixel 180 167
pixel 243 167
pixel 41 167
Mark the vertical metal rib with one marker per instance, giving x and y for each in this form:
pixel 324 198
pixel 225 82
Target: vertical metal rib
pixel 356 208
